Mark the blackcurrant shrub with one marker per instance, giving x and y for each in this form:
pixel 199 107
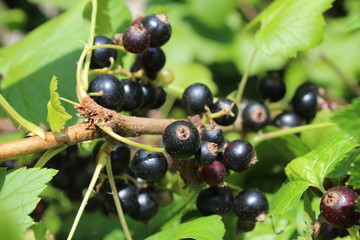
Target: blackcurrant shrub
pixel 255 116
pixel 134 96
pixel 136 39
pixel 213 174
pixel 305 103
pixel 251 205
pixel 160 98
pixel 181 139
pixel 113 95
pixel 151 60
pixel 196 97
pixel 159 28
pixel 215 135
pixel 287 120
pixel 229 118
pixel 149 166
pixel 272 87
pixel 325 231
pixel 147 207
pixel 338 207
pixel 120 158
pixel 207 153
pixel 149 93
pixel 239 155
pixel 214 200
pixel 100 57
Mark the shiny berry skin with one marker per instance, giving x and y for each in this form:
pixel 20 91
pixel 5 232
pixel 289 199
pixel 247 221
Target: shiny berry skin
pixel 113 91
pixel 100 57
pixel 120 158
pixel 152 60
pixel 215 135
pixel 148 206
pixel 181 139
pixel 214 200
pixel 149 166
pixel 338 207
pixel 308 86
pixel 251 205
pixel 244 226
pixel 149 92
pixel 213 174
pixel 304 103
pixel 128 197
pixel 272 87
pixel 196 97
pixel 159 28
pixel 239 155
pixel 160 98
pixel 255 116
pixel 325 231
pixel 228 118
pixel 134 96
pixel 136 39
pixel 206 154
pixel 287 120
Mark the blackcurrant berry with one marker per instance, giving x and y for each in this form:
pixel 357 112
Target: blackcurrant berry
pixel 160 98
pixel 213 174
pixel 158 27
pixel 251 205
pixel 308 86
pixel 148 206
pixel 181 139
pixel 134 96
pixel 272 87
pixel 338 207
pixel 239 155
pixel 214 135
pixel 100 57
pixel 136 39
pixel 255 116
pixel 214 200
pixel 196 97
pixel 120 158
pixel 152 60
pixel 287 120
pixel 207 153
pixel 149 166
pixel 112 91
pixel 244 226
pixel 305 103
pixel 230 117
pixel 325 231
pixel 149 92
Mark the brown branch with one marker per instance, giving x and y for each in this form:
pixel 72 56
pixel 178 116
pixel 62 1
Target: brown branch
pixel 127 126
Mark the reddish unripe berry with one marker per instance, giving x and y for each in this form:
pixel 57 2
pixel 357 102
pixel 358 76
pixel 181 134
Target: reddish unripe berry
pixel 136 39
pixel 213 174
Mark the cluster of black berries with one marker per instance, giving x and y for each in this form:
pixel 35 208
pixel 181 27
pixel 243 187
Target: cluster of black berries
pixel 139 93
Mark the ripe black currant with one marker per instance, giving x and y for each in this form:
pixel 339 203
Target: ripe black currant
pixel 149 166
pixel 151 60
pixel 214 135
pixel 207 153
pixel 147 207
pixel 272 87
pixel 251 205
pixel 255 116
pixel 134 96
pixel 196 97
pixel 213 174
pixel 149 93
pixel 100 57
pixel 287 120
pixel 325 231
pixel 159 28
pixel 338 207
pixel 228 118
pixel 239 155
pixel 136 39
pixel 244 226
pixel 160 98
pixel 120 158
pixel 214 200
pixel 308 86
pixel 181 139
pixel 304 102
pixel 112 89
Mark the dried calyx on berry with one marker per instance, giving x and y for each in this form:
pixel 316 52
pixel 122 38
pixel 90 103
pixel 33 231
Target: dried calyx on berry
pixel 136 39
pixel 255 116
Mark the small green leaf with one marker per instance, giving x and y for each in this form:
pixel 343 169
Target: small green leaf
pixel 314 166
pixel 354 171
pixel 57 115
pixel 289 26
pixel 19 195
pixel 204 228
pixel 348 118
pixel 2 177
pixel 345 165
pixel 287 197
pixel 39 229
pixel 354 25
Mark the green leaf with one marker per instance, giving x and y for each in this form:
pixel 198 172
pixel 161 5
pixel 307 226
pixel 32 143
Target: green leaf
pixel 354 25
pixel 57 115
pixel 345 165
pixel 354 172
pixel 348 118
pixel 289 26
pixel 19 195
pixel 287 197
pixel 39 229
pixel 204 228
pixel 314 166
pixel 2 176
